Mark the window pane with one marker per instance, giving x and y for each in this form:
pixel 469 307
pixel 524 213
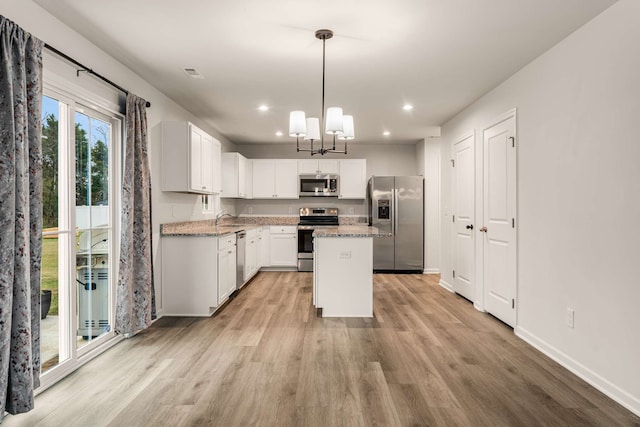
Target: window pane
pixel 92 171
pixel 83 167
pixel 50 336
pixel 50 118
pixel 93 139
pixel 100 137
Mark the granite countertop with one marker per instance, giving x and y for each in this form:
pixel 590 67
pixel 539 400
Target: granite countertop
pixel 262 220
pixel 230 225
pixel 350 231
pixel 202 228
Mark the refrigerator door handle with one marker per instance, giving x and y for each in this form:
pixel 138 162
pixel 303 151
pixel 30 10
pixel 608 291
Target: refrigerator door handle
pixel 394 211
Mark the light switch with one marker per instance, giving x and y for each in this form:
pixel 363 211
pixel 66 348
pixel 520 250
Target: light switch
pixel 345 255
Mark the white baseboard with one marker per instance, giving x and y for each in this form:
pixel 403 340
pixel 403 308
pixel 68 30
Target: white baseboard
pixel 446 285
pixel 627 400
pixel 278 268
pixel 479 307
pixel 431 271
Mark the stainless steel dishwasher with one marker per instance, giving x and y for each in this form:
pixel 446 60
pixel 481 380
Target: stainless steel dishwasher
pixel 240 249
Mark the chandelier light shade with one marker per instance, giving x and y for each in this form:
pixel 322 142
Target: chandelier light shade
pixel 333 124
pixel 348 132
pixel 297 125
pixel 334 121
pixel 313 129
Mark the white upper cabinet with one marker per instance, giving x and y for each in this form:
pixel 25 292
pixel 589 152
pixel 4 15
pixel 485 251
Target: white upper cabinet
pixel 248 179
pixel 234 176
pixel 286 179
pixel 275 178
pixel 317 166
pixel 264 182
pixel 190 159
pixel 353 179
pixel 217 166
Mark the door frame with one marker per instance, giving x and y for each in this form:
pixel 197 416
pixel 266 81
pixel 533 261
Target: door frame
pixel 480 219
pixel 78 99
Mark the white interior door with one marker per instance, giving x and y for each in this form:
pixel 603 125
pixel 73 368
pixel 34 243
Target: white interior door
pixel 499 214
pixel 464 205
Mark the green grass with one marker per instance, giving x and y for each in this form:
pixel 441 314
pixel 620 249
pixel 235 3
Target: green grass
pixel 49 278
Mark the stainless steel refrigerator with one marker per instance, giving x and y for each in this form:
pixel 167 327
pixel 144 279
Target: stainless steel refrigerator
pixel 396 205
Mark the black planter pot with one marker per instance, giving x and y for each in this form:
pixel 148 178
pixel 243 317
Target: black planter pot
pixel 45 303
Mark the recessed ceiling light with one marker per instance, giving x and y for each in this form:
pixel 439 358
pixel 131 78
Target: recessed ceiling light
pixel 263 108
pixel 278 133
pixel 193 73
pixel 386 133
pixel 407 107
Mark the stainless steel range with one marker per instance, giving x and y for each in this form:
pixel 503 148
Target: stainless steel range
pixel 310 219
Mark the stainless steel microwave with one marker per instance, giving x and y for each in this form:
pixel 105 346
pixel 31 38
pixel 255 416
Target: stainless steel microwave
pixel 322 185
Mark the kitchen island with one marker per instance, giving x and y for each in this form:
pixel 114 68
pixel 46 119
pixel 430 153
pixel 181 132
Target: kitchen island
pixel 343 270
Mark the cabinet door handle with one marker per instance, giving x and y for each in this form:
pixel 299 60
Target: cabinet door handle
pixel 230 252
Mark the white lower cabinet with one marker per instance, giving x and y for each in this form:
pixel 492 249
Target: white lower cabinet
pixel 190 275
pixel 265 257
pixel 251 254
pixel 284 245
pixel 258 248
pixel 226 267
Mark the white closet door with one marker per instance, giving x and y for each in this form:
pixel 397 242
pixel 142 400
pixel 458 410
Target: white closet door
pixel 464 227
pixel 499 214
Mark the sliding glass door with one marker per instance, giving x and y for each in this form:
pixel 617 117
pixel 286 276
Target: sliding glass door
pixel 80 210
pixel 93 226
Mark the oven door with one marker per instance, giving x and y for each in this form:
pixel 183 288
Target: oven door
pixel 305 242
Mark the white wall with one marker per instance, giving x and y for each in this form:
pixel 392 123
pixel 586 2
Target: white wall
pixel 167 207
pixel 381 160
pixel 432 205
pixel 578 107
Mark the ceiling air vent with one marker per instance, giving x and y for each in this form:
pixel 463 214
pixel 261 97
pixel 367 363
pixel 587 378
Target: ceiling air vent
pixel 193 73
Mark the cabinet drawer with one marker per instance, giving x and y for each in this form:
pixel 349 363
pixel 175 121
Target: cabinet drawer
pixel 283 229
pixel 226 241
pixel 251 232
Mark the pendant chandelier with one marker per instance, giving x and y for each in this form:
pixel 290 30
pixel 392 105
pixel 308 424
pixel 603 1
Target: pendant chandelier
pixel 334 122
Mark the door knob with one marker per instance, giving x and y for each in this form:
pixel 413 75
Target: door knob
pixel 483 229
pixel 470 227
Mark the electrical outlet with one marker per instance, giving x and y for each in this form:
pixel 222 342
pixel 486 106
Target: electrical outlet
pixel 351 210
pixel 290 209
pixel 250 209
pixel 570 317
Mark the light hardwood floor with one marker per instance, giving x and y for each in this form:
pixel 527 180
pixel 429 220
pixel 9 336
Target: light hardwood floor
pixel 426 358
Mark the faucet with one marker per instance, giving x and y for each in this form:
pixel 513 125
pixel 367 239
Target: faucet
pixel 220 215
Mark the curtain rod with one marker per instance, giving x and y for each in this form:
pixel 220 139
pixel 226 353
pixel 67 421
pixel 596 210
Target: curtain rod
pixel 88 70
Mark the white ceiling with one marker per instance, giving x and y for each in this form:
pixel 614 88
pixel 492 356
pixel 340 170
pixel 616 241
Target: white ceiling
pixel 438 55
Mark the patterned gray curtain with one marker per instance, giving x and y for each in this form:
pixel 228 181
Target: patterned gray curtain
pixel 135 295
pixel 20 216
